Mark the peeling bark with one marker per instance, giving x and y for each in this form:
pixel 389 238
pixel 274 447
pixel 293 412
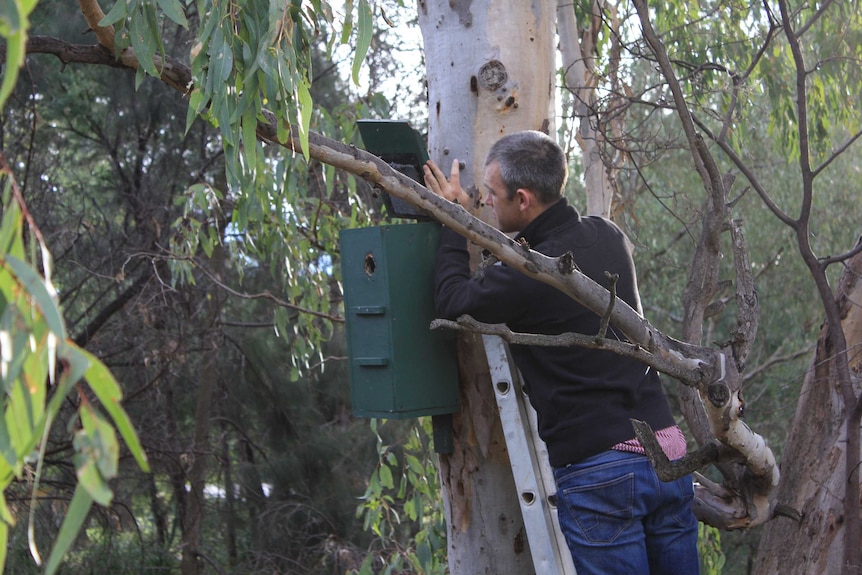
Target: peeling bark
pixel 489 68
pixel 814 462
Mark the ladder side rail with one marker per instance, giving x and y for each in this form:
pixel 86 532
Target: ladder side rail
pixel 530 468
pixel 546 477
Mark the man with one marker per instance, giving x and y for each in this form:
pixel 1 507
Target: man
pixel 616 515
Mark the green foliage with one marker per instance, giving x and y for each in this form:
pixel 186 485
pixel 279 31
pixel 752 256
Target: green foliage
pixel 14 22
pixel 402 507
pixel 364 39
pixel 250 59
pixel 721 72
pixel 709 549
pixel 253 56
pixel 36 355
pixel 115 184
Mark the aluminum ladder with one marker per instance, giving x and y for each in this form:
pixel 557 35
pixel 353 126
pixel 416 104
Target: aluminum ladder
pixel 528 455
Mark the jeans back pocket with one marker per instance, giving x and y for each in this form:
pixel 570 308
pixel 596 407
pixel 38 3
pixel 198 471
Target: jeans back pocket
pixel 600 510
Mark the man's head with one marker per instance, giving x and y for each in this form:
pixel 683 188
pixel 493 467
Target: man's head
pixel 524 174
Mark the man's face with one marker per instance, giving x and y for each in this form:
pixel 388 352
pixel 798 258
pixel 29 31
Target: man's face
pixel 508 211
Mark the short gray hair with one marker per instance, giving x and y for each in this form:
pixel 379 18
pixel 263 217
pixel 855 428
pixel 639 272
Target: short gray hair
pixel 530 160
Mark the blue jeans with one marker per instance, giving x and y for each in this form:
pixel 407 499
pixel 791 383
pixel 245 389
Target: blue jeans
pixel 618 517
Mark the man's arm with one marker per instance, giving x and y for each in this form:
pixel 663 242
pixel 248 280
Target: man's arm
pixel 498 294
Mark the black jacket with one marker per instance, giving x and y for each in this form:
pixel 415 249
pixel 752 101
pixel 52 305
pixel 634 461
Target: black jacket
pixel 584 398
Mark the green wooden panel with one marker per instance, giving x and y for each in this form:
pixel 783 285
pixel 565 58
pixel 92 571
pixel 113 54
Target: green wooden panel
pixel 405 150
pixel 399 368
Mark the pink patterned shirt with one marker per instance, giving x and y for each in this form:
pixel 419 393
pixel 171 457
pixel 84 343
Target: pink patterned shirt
pixel 671 440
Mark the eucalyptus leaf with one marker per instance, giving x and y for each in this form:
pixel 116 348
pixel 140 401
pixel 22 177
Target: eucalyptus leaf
pixel 7 450
pixel 221 64
pixel 249 136
pixel 305 110
pixel 76 514
pixel 102 442
pixel 16 49
pixel 43 294
pixel 14 23
pixel 103 384
pixel 144 42
pixel 11 241
pixel 15 345
pixel 347 26
pixel 173 9
pixel 4 544
pixel 115 14
pixel 87 471
pixel 363 41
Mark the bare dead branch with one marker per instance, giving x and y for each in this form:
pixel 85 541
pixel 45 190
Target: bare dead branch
pixel 718 506
pixel 265 295
pixel 468 324
pixel 747 305
pixel 666 469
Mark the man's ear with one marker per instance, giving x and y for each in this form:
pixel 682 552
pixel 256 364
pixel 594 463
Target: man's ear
pixel 526 199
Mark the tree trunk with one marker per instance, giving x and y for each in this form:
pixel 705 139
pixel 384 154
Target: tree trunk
pixel 577 48
pixel 490 68
pixel 157 508
pixel 230 517
pixel 194 513
pixel 207 381
pixel 814 472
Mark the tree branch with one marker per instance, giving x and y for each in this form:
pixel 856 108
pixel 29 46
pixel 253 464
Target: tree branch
pixel 666 469
pixel 266 295
pixel 468 324
pixel 93 14
pixel 747 305
pixel 835 153
pixel 749 175
pixel 109 310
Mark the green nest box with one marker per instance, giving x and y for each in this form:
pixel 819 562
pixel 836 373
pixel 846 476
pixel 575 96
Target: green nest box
pixel 399 368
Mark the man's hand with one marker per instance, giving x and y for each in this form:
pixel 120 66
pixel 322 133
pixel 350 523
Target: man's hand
pixel 450 189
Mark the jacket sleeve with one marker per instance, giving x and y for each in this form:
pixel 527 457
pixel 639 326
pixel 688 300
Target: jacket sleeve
pixel 497 294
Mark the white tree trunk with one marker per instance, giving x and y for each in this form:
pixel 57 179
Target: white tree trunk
pixel 577 51
pixel 490 66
